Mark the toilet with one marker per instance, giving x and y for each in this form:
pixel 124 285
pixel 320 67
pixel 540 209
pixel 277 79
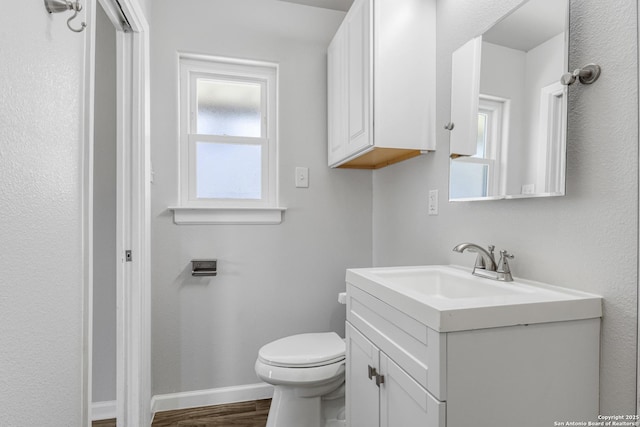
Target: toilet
pixel 307 372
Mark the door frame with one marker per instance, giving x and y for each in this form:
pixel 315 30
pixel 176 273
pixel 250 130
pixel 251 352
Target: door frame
pixel 133 379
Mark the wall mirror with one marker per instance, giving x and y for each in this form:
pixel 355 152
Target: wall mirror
pixel 508 108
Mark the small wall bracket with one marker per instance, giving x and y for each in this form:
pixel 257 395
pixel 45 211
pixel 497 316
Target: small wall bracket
pixel 204 267
pixel 586 75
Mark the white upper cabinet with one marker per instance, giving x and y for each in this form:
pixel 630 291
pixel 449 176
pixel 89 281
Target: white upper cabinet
pixel 349 80
pixel 381 82
pixel 465 91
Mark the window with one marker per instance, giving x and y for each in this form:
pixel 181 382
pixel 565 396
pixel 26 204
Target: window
pixel 482 174
pixel 228 145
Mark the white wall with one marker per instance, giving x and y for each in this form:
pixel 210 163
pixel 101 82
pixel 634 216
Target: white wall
pixel 104 211
pixel 543 63
pixel 274 280
pixel 586 240
pixel 520 76
pixel 502 73
pixel 41 283
pixel 146 9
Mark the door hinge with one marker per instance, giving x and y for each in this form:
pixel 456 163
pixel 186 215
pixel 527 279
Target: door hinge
pixel 371 372
pixel 127 256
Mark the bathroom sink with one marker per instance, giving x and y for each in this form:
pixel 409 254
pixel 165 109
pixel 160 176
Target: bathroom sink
pixel 449 298
pixel 442 283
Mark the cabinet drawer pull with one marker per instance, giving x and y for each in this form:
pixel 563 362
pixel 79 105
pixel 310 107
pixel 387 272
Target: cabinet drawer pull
pixel 379 379
pixel 372 372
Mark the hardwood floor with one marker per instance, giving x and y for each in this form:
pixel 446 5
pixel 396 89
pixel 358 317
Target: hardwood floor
pixel 243 414
pixel 104 423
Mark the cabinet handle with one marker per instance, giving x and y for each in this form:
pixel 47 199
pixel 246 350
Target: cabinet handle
pixel 372 372
pixel 379 380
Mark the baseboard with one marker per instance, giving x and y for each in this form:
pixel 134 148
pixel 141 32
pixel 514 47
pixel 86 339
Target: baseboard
pixel 103 410
pixel 214 396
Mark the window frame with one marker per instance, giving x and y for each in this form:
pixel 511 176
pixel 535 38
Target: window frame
pixel 497 110
pixel 193 67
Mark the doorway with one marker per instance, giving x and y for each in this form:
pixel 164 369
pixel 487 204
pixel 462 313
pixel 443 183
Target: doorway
pixel 116 182
pixel 103 388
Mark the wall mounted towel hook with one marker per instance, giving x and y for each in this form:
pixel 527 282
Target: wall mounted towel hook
pixel 587 75
pixel 57 6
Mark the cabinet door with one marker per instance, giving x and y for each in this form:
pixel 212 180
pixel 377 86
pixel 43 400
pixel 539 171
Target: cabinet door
pixel 362 400
pixel 403 402
pixel 336 96
pixel 350 85
pixel 359 82
pixel 465 91
pixel 404 74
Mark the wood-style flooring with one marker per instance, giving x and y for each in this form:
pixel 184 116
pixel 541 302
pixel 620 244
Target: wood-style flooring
pixel 243 414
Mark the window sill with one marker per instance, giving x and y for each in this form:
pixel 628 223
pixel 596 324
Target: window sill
pixel 202 215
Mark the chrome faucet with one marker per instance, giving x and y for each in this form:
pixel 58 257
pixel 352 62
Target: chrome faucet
pixel 486 263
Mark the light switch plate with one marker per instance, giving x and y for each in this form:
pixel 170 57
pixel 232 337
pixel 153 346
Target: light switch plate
pixel 433 202
pixel 302 177
pixel 528 189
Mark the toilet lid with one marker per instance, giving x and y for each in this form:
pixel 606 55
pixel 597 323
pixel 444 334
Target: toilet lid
pixel 304 350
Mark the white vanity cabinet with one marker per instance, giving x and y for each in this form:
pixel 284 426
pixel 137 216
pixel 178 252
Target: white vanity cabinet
pixel 381 83
pixel 526 375
pixel 389 397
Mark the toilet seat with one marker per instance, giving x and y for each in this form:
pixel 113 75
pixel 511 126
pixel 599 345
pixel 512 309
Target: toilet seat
pixel 304 351
pixel 300 377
